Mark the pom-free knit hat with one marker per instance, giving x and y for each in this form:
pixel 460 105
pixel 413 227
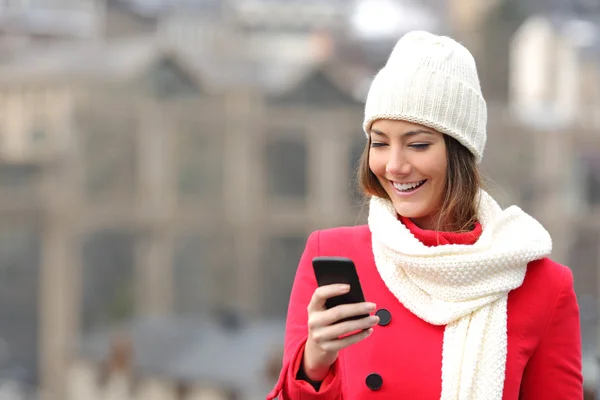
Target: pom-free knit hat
pixel 432 81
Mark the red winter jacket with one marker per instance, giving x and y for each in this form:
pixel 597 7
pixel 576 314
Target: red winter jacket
pixel 403 359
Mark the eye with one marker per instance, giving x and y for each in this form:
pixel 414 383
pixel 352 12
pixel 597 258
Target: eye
pixel 420 146
pixel 378 144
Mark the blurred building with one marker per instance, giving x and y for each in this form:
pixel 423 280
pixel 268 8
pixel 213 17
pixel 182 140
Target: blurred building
pixel 555 94
pixel 169 162
pixel 145 178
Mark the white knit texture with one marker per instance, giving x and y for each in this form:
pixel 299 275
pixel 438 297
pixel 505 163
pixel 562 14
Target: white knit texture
pixel 464 287
pixel 432 81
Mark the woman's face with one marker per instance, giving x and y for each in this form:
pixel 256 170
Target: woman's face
pixel 409 160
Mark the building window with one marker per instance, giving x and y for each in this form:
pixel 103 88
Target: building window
pixel 21 183
pixel 592 183
pixel 20 244
pixel 286 163
pixel 109 150
pixel 191 259
pixel 280 261
pixel 202 267
pixel 586 171
pixel 199 162
pixel 108 273
pixel 20 180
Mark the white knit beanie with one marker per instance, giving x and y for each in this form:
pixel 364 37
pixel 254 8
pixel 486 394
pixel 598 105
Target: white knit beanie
pixel 432 81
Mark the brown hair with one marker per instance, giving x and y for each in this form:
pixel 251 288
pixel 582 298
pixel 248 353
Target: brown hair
pixel 459 209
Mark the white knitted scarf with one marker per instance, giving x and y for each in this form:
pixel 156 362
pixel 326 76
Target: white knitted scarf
pixel 464 287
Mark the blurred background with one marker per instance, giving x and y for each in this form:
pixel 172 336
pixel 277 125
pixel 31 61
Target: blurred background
pixel 163 161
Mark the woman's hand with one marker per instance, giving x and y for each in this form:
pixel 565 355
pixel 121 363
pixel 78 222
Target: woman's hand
pixel 327 336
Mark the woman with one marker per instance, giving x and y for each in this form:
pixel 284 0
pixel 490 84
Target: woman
pixel 465 303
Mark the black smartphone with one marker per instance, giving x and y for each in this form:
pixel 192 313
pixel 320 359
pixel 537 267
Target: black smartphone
pixel 332 270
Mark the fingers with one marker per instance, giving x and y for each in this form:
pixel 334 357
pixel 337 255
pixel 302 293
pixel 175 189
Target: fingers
pixel 322 293
pixel 317 319
pixel 335 314
pixel 328 333
pixel 339 344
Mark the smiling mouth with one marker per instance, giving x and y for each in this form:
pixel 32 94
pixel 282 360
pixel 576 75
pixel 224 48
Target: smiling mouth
pixel 408 187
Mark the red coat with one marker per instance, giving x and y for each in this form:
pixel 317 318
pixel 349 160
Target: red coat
pixel 404 357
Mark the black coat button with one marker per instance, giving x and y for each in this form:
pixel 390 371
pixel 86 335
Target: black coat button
pixel 374 381
pixel 384 316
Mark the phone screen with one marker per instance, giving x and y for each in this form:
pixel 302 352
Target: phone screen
pixel 332 270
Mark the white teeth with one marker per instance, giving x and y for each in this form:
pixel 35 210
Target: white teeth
pixel 407 186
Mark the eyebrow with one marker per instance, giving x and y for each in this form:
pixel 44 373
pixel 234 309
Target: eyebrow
pixel 409 133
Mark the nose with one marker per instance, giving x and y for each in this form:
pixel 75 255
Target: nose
pixel 397 164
